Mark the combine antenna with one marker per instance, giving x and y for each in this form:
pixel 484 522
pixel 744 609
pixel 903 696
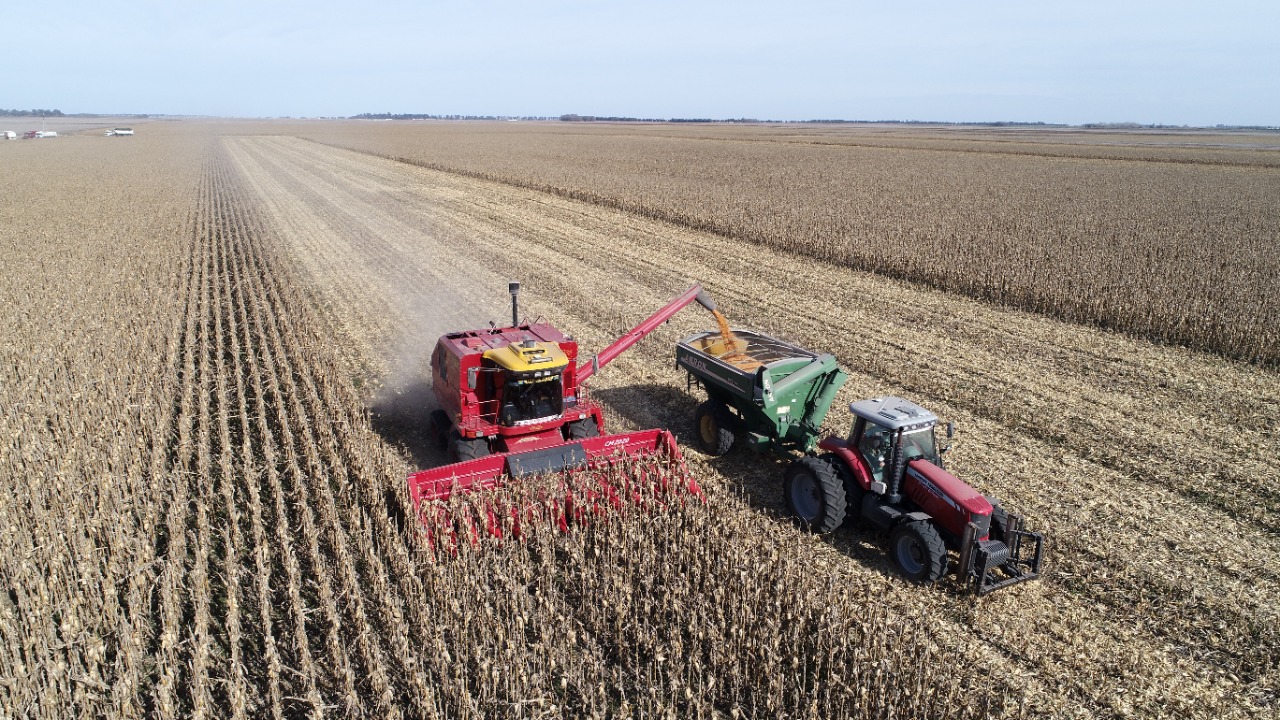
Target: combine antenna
pixel 513 287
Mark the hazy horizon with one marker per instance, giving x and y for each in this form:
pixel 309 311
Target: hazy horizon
pixel 1143 62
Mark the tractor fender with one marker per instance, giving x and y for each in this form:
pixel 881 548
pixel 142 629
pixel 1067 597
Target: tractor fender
pixel 908 518
pixel 886 517
pixel 914 516
pixel 856 464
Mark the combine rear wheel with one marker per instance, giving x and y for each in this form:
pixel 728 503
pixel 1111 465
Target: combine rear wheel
pixel 715 427
pixel 917 551
pixel 469 449
pixel 815 494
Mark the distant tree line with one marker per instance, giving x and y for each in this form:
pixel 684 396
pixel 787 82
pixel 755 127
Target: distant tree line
pixel 574 117
pixel 428 116
pixel 30 113
pixel 571 117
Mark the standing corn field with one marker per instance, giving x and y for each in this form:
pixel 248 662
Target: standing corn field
pixel 198 524
pixel 201 517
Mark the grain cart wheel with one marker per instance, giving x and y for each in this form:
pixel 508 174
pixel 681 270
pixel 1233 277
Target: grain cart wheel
pixel 917 551
pixel 585 428
pixel 715 427
pixel 814 494
pixel 464 449
pixel 438 429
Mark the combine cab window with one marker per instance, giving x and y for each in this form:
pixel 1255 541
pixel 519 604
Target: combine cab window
pixel 874 445
pixel 525 401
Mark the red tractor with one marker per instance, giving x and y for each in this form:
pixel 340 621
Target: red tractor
pixel 889 475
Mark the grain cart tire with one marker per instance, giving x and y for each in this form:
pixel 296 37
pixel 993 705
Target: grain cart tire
pixel 582 429
pixel 468 449
pixel 814 494
pixel 917 551
pixel 999 524
pixel 714 425
pixel 438 429
pixel 853 492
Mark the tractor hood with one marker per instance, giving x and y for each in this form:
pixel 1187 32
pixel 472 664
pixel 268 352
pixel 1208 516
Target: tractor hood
pixel 949 488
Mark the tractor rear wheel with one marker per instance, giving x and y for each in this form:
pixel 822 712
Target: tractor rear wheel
pixel 853 492
pixel 438 429
pixel 469 449
pixel 814 494
pixel 715 427
pixel 917 551
pixel 582 429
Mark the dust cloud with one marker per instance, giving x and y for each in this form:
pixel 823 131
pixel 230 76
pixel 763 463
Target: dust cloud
pixel 402 405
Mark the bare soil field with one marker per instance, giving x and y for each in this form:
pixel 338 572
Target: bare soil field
pixel 212 395
pixel 1168 236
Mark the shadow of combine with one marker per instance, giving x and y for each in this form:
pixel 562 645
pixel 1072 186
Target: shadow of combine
pixel 402 417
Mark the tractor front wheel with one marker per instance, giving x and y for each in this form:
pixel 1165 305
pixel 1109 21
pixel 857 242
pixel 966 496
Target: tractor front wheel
pixel 469 449
pixel 814 494
pixel 999 524
pixel 917 551
pixel 715 427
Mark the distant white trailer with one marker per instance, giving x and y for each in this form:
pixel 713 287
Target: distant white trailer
pixel 8 135
pixel 47 134
pixel 122 131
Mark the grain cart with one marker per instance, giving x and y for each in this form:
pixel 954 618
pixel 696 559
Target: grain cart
pixel 513 403
pixel 772 394
pixel 887 475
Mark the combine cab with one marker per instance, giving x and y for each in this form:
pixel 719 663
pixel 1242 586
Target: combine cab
pixel 513 404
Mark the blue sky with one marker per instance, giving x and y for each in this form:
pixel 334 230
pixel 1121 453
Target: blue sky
pixel 1165 62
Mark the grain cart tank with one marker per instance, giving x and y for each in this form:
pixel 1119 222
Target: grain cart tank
pixel 772 393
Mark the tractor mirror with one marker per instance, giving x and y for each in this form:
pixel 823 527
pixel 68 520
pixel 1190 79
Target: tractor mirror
pixel 951 430
pixel 472 374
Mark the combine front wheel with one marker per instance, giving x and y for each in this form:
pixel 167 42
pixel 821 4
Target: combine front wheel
pixel 582 429
pixel 438 429
pixel 469 449
pixel 917 550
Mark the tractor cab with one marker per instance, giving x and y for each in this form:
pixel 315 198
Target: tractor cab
pixel 527 382
pixel 884 424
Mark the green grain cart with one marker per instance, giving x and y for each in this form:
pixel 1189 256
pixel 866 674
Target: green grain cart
pixel 763 390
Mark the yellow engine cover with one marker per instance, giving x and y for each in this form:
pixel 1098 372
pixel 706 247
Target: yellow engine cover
pixel 529 357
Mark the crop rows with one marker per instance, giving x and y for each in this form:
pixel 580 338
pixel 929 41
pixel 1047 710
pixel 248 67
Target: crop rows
pixel 1160 594
pixel 199 522
pixel 1166 243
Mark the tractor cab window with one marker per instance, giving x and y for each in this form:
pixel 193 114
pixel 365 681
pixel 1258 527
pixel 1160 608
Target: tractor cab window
pixel 874 444
pixel 920 444
pixel 525 400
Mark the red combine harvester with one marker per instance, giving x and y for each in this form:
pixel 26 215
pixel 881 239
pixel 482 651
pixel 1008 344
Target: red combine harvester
pixel 513 404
